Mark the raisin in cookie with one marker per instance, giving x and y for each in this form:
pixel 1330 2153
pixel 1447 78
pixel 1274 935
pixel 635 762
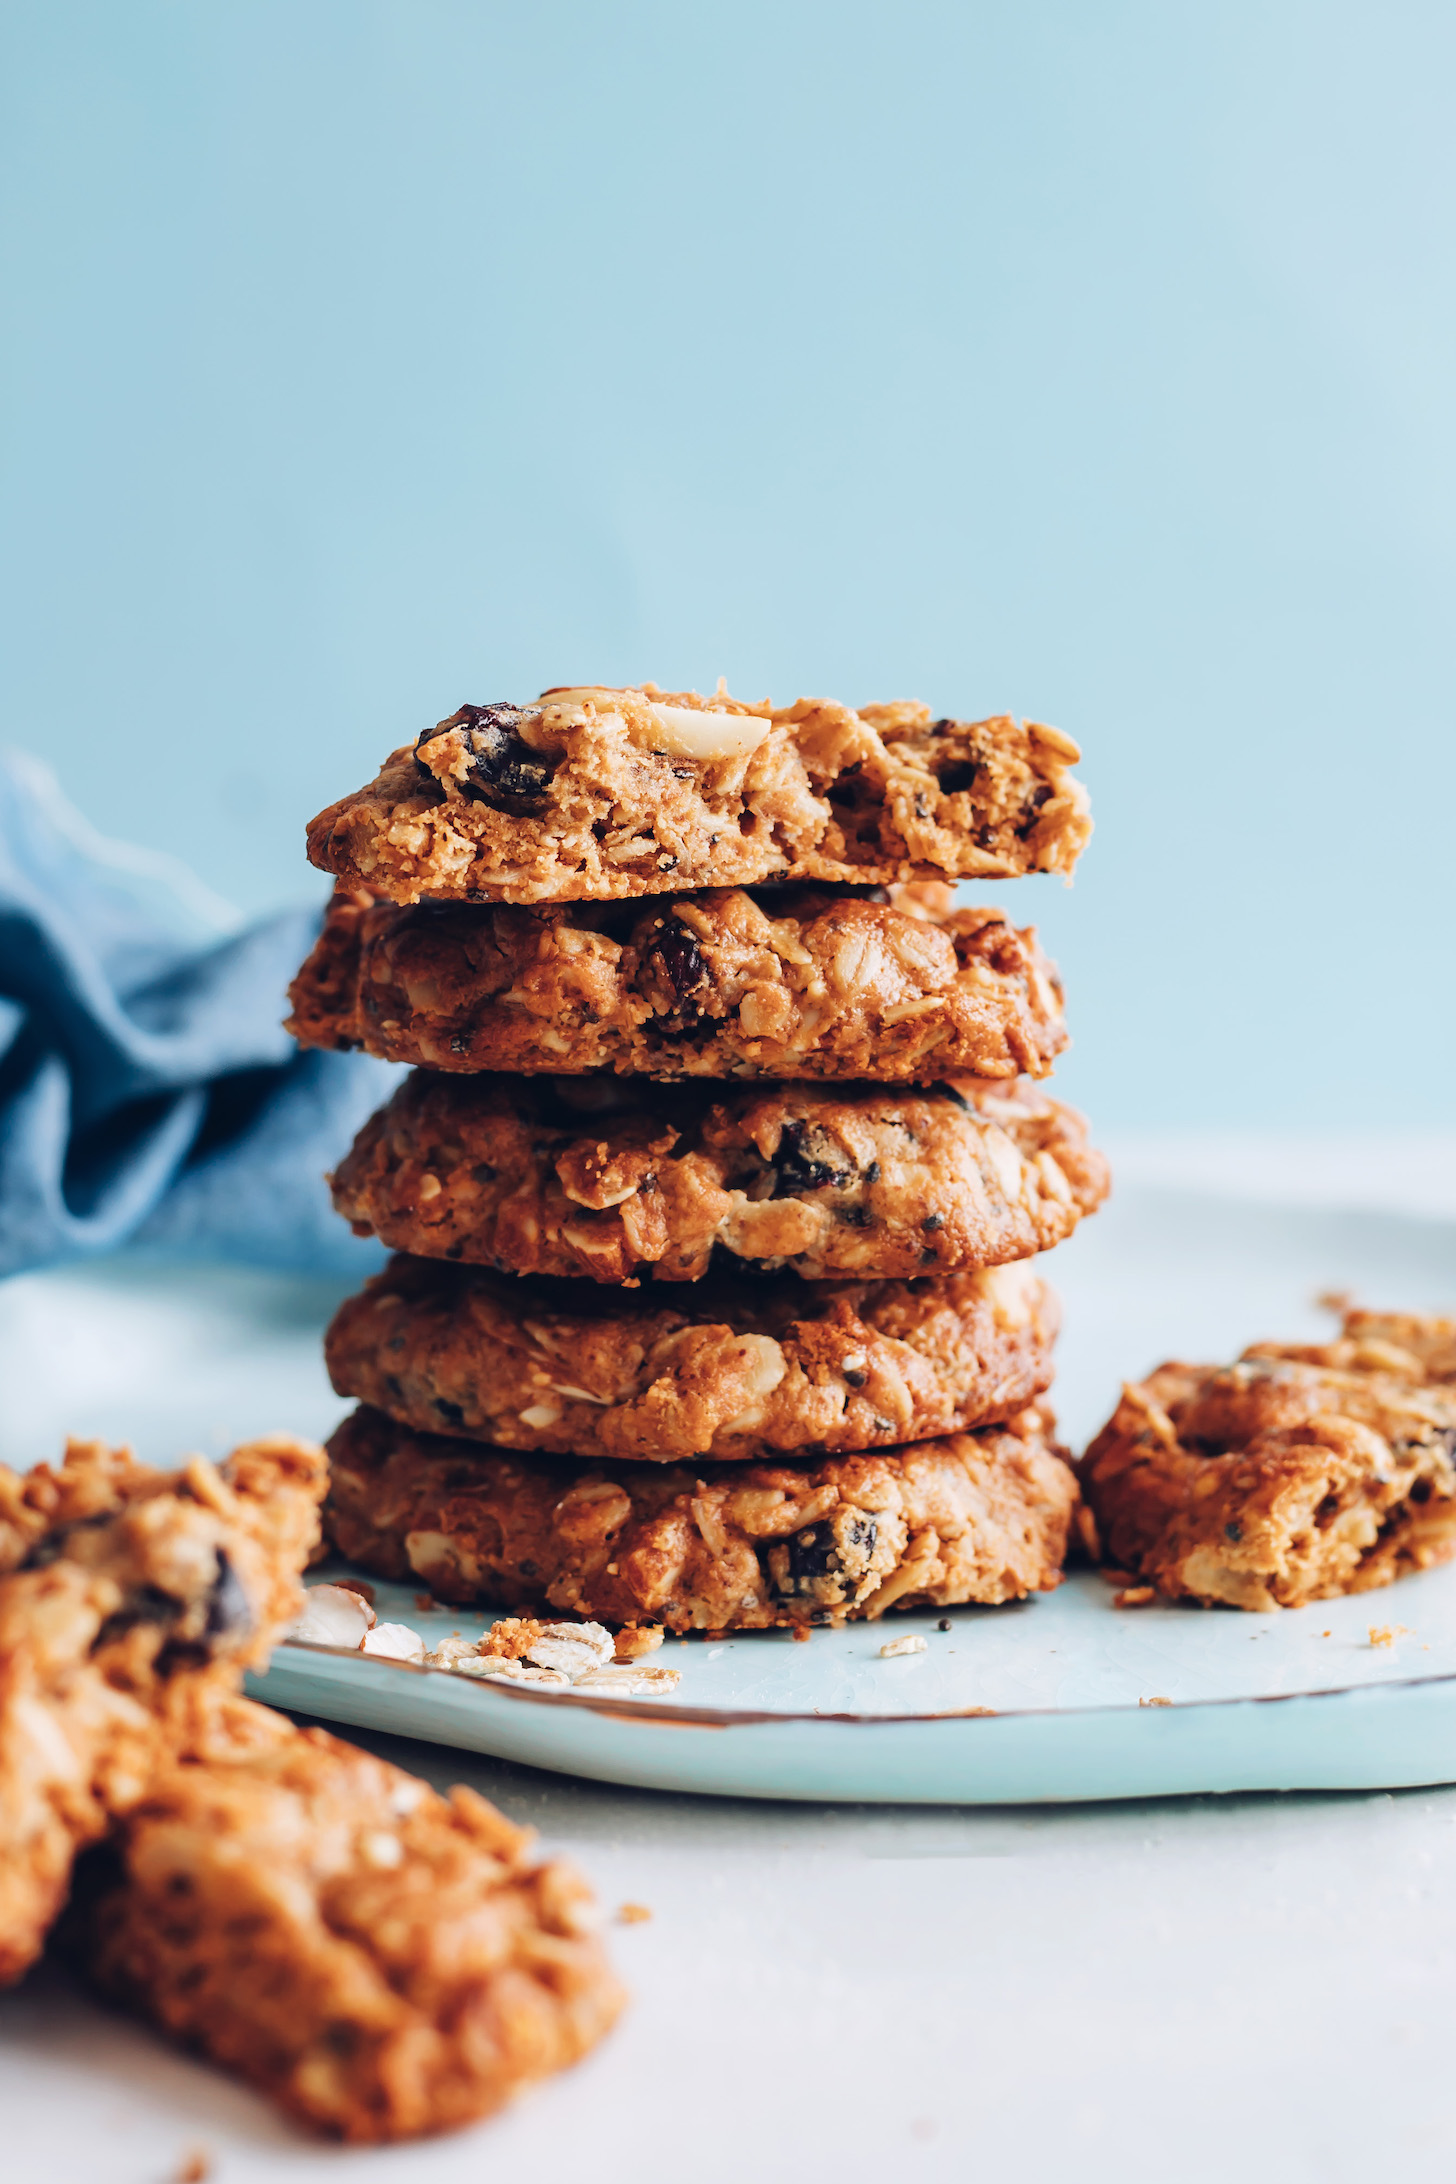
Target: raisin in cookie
pixel 381 1960
pixel 128 1595
pixel 596 794
pixel 793 982
pixel 973 1517
pixel 1294 1475
pixel 735 1368
pixel 616 1178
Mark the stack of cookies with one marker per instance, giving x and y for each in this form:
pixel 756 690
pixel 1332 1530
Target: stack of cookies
pixel 720 1184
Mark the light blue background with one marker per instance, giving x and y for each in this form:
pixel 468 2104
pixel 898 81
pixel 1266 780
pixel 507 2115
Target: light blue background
pixel 1091 361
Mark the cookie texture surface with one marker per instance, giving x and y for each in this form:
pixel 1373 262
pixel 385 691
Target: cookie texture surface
pixel 729 1368
pixel 617 1179
pixel 793 982
pixel 973 1517
pixel 1296 1474
pixel 595 793
pixel 381 1960
pixel 128 1597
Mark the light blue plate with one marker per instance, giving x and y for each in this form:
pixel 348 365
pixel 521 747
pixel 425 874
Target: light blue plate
pixel 176 1359
pixel 1299 1700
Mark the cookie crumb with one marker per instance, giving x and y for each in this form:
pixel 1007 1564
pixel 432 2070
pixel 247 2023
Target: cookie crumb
pixel 633 1914
pixel 1155 1702
pixel 908 1644
pixel 195 2168
pixel 1109 1576
pixel 1326 1634
pixel 1133 1596
pixel 1385 1634
pixel 511 1637
pixel 425 1603
pixel 636 1639
pixel 802 1634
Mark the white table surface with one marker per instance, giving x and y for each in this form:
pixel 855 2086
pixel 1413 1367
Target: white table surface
pixel 1201 1988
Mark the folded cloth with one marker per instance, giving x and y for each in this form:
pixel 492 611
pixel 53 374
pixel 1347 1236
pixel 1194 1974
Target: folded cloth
pixel 148 1092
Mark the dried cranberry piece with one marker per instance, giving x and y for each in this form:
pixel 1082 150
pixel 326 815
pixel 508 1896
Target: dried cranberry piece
pixel 504 771
pixel 229 1611
pixel 960 774
pixel 812 1552
pixel 142 1604
pixel 825 1551
pixel 678 960
pixel 807 1160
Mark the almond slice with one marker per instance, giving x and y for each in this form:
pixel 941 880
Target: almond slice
pixel 705 737
pixel 332 1616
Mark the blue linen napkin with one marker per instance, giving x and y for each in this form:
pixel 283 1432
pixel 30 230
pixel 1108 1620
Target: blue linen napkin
pixel 148 1093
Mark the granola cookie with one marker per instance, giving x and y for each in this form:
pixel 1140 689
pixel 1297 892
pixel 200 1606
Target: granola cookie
pixel 599 793
pixel 615 1178
pixel 1298 1473
pixel 127 1596
pixel 792 982
pixel 381 1960
pixel 1415 1346
pixel 973 1517
pixel 734 1368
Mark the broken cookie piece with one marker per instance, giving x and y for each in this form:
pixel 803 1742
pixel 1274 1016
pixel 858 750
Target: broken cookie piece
pixel 594 792
pixel 1301 1472
pixel 129 1598
pixel 381 1960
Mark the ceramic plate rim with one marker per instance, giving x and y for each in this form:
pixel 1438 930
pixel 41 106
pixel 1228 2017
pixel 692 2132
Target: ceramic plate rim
pixel 726 1717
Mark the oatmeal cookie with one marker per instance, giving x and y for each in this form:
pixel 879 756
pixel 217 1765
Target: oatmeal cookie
pixel 973 1517
pixel 734 1368
pixel 616 1178
pixel 792 982
pixel 596 794
pixel 1414 1346
pixel 127 1595
pixel 1294 1475
pixel 381 1960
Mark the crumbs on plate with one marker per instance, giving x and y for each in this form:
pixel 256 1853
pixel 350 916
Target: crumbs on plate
pixel 515 1649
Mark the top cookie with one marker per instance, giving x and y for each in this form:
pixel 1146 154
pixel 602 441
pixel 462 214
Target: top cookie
pixel 595 793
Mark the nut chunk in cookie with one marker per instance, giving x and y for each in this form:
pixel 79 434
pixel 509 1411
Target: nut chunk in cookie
pixel 128 1597
pixel 1298 1473
pixel 618 1178
pixel 596 793
pixel 737 1368
pixel 381 1960
pixel 791 982
pixel 973 1517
